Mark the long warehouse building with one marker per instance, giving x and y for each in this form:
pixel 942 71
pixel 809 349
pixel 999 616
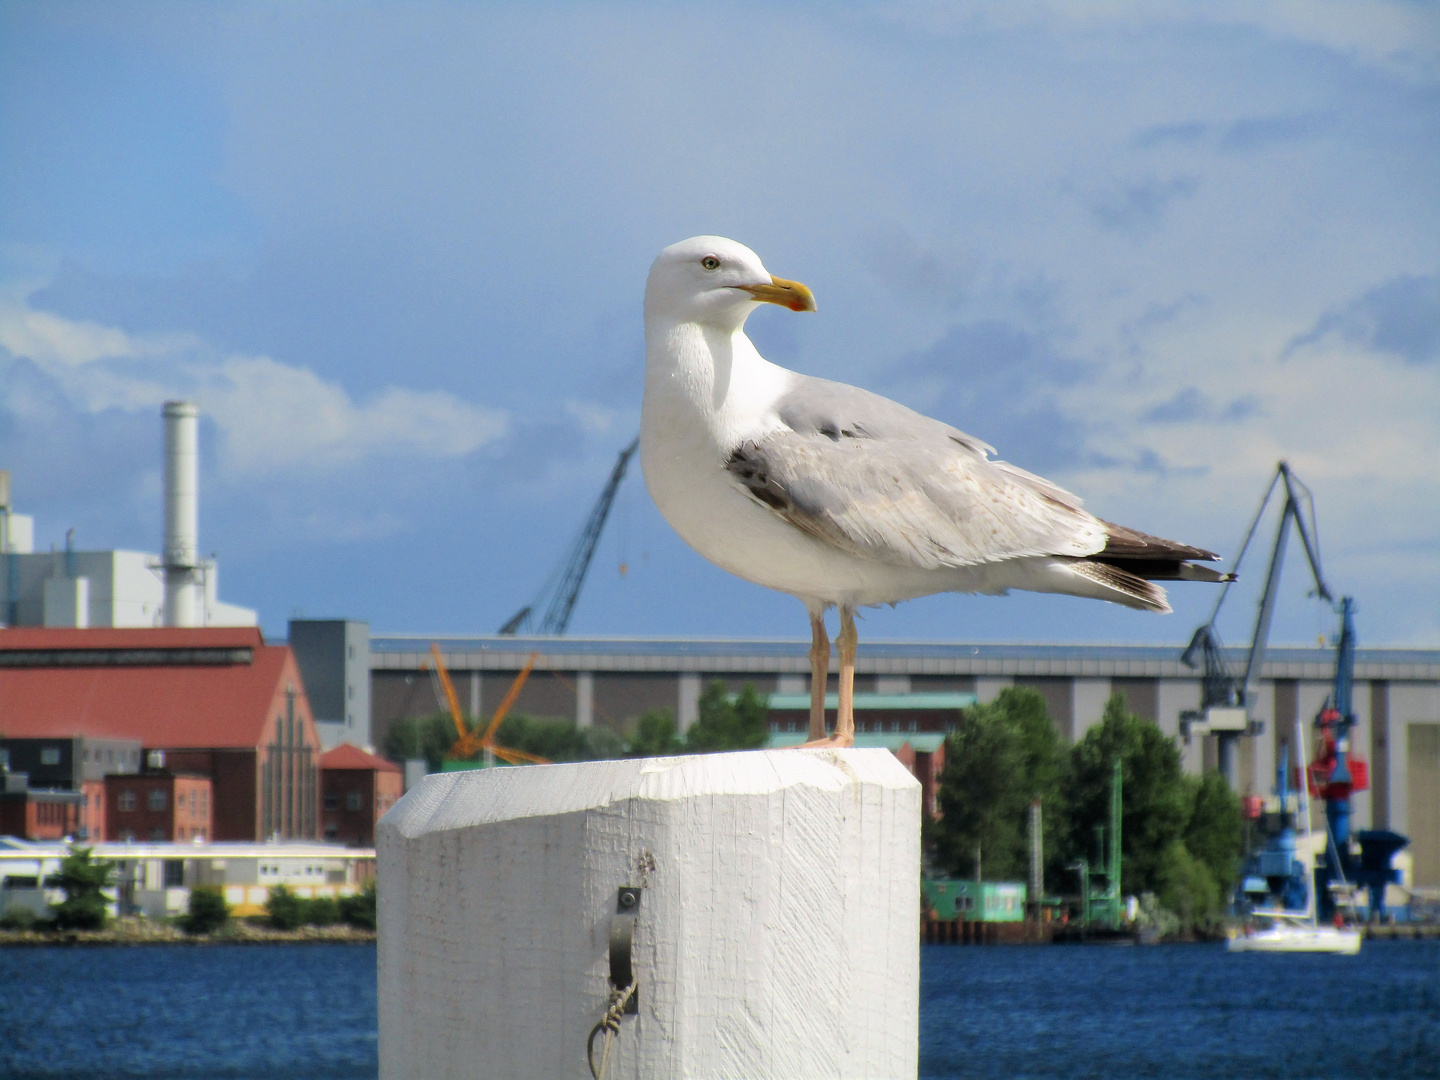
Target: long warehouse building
pixel 613 680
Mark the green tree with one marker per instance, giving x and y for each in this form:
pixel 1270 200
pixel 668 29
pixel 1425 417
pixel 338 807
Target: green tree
pixel 726 723
pixel 358 909
pixel 1155 801
pixel 207 911
pixel 82 878
pixel 558 740
pixel 429 737
pixel 655 735
pixel 1215 832
pixel 1189 890
pixel 285 909
pixel 1001 757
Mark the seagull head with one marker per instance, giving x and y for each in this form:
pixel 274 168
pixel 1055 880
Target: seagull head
pixel 712 280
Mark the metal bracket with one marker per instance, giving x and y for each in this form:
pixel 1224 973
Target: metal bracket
pixel 622 937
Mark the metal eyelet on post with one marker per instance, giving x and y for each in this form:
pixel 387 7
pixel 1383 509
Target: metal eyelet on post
pixel 622 937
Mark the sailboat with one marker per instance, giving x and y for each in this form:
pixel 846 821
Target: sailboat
pixel 1298 931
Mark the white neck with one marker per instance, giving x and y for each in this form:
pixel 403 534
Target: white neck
pixel 713 376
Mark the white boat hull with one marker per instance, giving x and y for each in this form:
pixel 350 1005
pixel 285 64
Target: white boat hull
pixel 1299 939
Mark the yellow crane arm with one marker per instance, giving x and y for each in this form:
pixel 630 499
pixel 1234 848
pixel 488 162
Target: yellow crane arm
pixel 470 742
pixel 509 700
pixel 454 702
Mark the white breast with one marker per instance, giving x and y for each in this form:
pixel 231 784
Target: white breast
pixel 705 393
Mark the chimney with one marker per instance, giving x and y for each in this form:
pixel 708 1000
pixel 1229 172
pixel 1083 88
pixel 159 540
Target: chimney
pixel 184 601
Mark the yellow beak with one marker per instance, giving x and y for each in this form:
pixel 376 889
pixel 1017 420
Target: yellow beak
pixel 789 294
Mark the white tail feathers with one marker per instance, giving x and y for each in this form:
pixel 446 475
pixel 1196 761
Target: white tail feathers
pixel 1120 586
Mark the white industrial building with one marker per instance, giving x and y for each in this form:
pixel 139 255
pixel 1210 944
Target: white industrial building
pixel 70 588
pixel 155 879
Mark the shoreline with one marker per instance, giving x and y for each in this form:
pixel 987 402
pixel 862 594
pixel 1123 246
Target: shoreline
pixel 143 932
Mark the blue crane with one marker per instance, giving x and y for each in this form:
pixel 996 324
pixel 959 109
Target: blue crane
pixel 1225 698
pixel 1336 773
pixel 562 589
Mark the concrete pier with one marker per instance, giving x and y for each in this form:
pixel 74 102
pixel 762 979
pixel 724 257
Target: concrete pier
pixel 776 932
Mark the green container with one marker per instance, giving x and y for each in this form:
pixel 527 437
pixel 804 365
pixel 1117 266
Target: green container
pixel 976 901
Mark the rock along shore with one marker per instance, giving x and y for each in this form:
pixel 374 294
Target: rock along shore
pixel 146 932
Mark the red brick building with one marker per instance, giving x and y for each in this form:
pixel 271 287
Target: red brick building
pixel 218 701
pixel 73 764
pixel 157 805
pixel 37 814
pixel 357 789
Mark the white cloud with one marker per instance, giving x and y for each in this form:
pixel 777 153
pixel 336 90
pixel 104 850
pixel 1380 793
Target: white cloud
pixel 272 416
pixel 1399 35
pixel 593 418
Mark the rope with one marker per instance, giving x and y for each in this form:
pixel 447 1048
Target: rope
pixel 610 1025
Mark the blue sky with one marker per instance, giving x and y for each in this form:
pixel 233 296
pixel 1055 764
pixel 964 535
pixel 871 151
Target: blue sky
pixel 396 251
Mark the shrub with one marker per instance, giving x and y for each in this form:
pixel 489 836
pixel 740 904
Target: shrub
pixel 723 723
pixel 285 909
pixel 16 917
pixel 322 911
pixel 1189 890
pixel 208 910
pixel 359 909
pixel 656 735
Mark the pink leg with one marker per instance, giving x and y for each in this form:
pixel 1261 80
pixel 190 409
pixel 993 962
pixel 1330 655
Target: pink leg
pixel 819 675
pixel 847 641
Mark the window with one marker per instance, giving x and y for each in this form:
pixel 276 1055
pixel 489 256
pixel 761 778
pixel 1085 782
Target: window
pixel 204 801
pixel 157 833
pixel 125 800
pixel 157 799
pixel 50 755
pixel 352 801
pixel 332 802
pixel 174 873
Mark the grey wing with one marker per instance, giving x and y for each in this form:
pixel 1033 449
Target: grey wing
pixel 874 478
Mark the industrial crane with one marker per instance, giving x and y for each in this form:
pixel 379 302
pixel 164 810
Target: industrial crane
pixel 563 586
pixel 471 743
pixel 1333 775
pixel 1226 700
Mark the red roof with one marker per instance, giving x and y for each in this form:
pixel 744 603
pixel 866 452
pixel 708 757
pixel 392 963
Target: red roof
pixel 346 756
pixel 169 637
pixel 190 703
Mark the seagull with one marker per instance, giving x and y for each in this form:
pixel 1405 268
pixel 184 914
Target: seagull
pixel 843 498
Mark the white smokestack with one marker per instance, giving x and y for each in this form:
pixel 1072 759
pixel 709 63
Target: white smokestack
pixel 183 600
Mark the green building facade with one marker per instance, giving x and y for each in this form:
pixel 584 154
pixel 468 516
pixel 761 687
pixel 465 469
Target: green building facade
pixel 976 901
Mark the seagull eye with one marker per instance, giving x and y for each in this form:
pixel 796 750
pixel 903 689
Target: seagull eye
pixel 710 262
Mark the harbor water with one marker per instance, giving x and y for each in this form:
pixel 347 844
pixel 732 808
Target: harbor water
pixel 1031 1013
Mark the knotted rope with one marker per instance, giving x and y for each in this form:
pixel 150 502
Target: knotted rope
pixel 610 1025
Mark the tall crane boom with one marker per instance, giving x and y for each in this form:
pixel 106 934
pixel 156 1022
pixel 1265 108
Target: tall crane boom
pixel 1225 699
pixel 577 561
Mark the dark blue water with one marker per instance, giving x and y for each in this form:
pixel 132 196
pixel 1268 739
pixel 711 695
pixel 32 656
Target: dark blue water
pixel 1179 1011
pixel 1174 1012
pixel 257 1012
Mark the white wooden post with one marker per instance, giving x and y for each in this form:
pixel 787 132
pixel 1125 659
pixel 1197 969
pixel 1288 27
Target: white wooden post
pixel 777 934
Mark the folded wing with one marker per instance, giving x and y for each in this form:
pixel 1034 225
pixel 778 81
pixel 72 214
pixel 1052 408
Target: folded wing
pixel 883 482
